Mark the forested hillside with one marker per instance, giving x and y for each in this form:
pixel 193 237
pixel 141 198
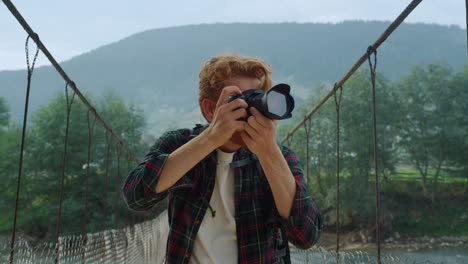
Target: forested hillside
pixel 158 69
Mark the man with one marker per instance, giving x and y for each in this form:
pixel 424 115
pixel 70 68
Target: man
pixel 231 186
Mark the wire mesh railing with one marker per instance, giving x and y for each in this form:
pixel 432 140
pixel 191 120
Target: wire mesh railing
pixel 146 243
pixel 140 243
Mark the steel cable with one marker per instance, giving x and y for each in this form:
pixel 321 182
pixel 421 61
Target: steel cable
pixel 64 165
pixel 337 108
pixel 23 136
pixel 88 167
pixel 373 67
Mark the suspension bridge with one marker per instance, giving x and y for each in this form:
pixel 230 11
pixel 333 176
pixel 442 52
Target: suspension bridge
pixel 143 239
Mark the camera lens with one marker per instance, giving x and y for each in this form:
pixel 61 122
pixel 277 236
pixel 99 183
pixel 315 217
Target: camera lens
pixel 276 103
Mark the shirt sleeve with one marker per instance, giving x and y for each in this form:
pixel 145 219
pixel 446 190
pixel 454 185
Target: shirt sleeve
pixel 139 189
pixel 304 223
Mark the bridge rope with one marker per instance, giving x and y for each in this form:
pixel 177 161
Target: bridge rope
pixel 62 181
pixel 106 181
pixel 337 109
pixel 118 198
pixel 373 67
pixel 23 137
pixel 88 167
pixel 117 175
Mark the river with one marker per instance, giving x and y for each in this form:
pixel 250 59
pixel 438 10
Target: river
pixel 458 255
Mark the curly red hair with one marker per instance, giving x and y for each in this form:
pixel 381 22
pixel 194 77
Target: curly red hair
pixel 218 70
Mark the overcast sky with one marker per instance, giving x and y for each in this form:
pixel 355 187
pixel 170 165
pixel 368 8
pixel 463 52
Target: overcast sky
pixel 69 28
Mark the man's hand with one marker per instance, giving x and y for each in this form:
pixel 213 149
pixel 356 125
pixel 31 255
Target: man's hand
pixel 260 133
pixel 223 124
pixel 260 138
pixel 226 116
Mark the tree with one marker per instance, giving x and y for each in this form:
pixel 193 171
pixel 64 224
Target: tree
pixel 458 150
pixel 432 120
pixel 4 113
pixel 9 150
pixel 42 167
pixel 355 143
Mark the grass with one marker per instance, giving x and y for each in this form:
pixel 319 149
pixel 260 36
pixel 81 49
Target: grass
pixel 445 176
pixel 413 175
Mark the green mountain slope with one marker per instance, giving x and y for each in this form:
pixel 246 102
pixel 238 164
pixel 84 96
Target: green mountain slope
pixel 158 69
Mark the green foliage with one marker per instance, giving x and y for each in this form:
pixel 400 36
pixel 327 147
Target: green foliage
pixel 356 147
pixel 421 120
pixel 433 130
pixel 445 175
pixel 42 167
pixel 458 153
pixel 4 113
pixel 159 68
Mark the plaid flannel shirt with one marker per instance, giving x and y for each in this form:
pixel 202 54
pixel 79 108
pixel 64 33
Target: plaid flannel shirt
pixel 254 204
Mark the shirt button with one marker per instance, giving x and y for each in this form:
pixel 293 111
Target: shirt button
pixel 187 254
pixel 196 222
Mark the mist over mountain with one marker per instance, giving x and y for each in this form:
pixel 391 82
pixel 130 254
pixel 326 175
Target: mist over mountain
pixel 158 69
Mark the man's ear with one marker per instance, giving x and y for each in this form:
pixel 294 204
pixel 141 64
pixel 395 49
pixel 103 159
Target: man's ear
pixel 208 108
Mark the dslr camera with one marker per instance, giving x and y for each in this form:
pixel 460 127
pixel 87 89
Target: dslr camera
pixel 275 103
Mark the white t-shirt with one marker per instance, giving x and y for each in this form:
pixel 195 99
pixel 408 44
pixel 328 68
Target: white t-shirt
pixel 216 240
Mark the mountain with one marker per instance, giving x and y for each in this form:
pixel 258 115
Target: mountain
pixel 158 69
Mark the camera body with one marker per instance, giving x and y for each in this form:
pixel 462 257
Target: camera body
pixel 276 103
pixel 250 97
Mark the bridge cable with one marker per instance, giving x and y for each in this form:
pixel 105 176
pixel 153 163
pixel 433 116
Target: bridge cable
pixel 337 108
pixel 88 167
pixel 117 192
pixel 106 200
pixel 376 171
pixel 62 182
pixel 118 198
pixel 23 136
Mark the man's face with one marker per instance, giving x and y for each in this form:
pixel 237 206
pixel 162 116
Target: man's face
pixel 244 84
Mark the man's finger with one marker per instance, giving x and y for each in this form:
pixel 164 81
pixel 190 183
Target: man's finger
pixel 247 139
pixel 239 113
pixel 239 126
pixel 251 131
pixel 260 118
pixel 225 93
pixel 254 123
pixel 238 103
